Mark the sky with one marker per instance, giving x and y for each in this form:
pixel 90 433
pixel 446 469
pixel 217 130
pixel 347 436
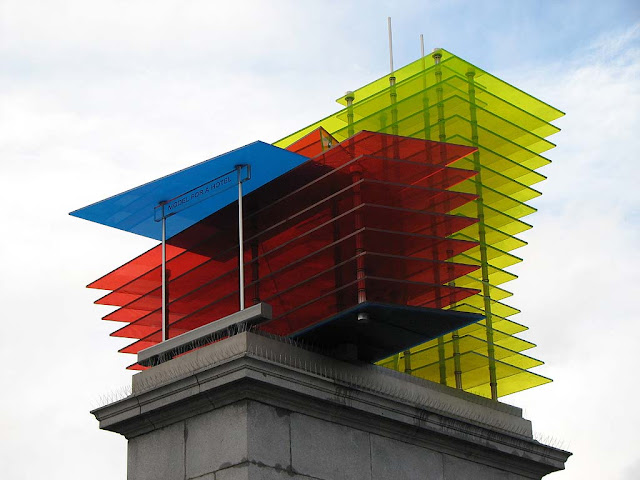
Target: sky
pixel 98 97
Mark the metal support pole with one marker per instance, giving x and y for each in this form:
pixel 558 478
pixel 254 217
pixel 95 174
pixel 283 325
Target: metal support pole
pixel 442 137
pixel 356 176
pixel 240 238
pixel 394 110
pixel 392 85
pixel 165 319
pixel 484 261
pixel 442 361
pixel 437 56
pixel 407 362
pixel 426 120
pixel 349 97
pixel 455 337
pixel 390 44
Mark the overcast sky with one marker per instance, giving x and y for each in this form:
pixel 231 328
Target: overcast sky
pixel 100 96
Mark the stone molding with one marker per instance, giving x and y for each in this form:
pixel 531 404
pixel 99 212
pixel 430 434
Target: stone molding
pixel 372 399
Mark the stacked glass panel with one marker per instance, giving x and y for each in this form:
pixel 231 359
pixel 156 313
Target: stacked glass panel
pixel 365 220
pixel 445 98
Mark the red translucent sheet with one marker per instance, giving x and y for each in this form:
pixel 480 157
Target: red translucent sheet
pixel 321 230
pixel 269 286
pixel 317 298
pixel 196 237
pixel 305 177
pixel 323 226
pixel 151 279
pixel 391 146
pixel 367 168
pixel 298 250
pixel 369 215
pixel 313 143
pixel 184 243
pixel 224 237
pixel 134 268
pixel 221 250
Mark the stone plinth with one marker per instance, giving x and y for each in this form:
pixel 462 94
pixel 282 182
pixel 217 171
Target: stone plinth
pixel 254 407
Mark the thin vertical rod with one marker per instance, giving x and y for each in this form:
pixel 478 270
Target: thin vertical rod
pixel 349 98
pixel 392 86
pixel 407 362
pixel 390 44
pixel 442 361
pixel 442 161
pixel 484 261
pixel 240 238
pixel 426 116
pixel 165 322
pixel 455 337
pixel 394 111
pixel 356 176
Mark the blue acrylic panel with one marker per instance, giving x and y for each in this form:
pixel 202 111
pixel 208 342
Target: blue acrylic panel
pixel 133 210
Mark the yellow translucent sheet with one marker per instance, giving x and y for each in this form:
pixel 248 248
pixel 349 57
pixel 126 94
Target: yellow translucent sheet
pixel 475 369
pixel 510 127
pixel 495 292
pixel 496 258
pixel 495 239
pixel 497 201
pixel 405 111
pixel 505 339
pixel 505 90
pixel 426 85
pixel 522 146
pixel 498 182
pixel 425 358
pixel 483 80
pixel 496 277
pixel 513 143
pixel 497 220
pixel 512 380
pixel 501 323
pixel 500 173
pixel 477 302
pixel 523 170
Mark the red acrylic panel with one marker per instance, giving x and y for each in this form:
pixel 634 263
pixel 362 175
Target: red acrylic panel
pixel 370 214
pixel 291 273
pixel 318 230
pixel 317 298
pixel 392 146
pixel 224 237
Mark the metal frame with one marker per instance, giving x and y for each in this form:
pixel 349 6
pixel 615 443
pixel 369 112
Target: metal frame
pixel 163 220
pixel 165 316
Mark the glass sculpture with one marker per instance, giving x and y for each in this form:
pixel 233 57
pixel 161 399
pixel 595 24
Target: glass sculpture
pixel 389 225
